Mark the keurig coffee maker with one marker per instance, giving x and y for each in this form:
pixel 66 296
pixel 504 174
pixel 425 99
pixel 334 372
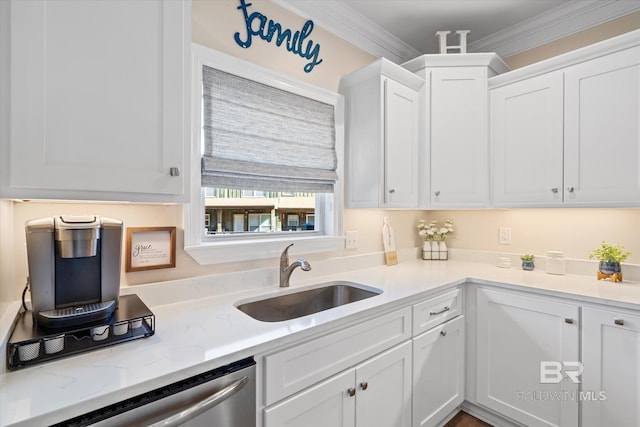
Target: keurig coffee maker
pixel 74 268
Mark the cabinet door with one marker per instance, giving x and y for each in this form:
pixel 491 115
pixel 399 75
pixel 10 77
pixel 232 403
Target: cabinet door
pixel 515 333
pixel 98 100
pixel 611 377
pixel 400 146
pixel 328 404
pixel 602 130
pixel 459 137
pixel 383 384
pixel 438 372
pixel 526 137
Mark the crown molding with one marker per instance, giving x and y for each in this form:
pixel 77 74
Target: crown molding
pixel 579 15
pixel 344 22
pixel 559 22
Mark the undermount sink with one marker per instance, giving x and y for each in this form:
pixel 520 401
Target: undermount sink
pixel 302 303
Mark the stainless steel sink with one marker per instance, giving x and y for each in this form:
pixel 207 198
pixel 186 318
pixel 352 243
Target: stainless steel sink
pixel 305 302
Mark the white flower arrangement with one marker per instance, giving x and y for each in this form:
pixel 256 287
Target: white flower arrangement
pixel 427 231
pixel 446 230
pixel 431 231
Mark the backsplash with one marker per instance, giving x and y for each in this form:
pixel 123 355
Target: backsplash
pixel 574 231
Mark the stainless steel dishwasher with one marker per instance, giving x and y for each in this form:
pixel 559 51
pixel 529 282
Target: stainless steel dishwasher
pixel 222 397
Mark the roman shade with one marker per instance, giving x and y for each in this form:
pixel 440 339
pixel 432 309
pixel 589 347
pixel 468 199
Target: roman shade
pixel 258 137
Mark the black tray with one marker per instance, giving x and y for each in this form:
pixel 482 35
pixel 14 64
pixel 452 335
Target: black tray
pixel 29 344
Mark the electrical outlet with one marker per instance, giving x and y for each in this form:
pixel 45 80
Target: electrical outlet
pixel 504 235
pixel 351 241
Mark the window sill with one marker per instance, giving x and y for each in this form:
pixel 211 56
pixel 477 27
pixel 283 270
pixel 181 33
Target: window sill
pixel 244 250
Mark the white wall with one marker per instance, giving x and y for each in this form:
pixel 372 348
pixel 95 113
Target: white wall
pixel 575 231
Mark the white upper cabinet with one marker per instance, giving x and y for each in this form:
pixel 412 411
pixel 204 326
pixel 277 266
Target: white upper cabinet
pixel 602 130
pixel 382 139
pixel 527 135
pixel 566 131
pixel 456 127
pixel 459 137
pixel 95 102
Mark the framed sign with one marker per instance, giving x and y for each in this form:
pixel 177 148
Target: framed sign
pixel 149 248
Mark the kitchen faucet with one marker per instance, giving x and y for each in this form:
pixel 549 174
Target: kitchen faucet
pixel 286 269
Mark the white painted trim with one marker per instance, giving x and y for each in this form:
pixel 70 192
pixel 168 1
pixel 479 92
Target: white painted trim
pixel 578 15
pixel 554 24
pixel 383 67
pixel 329 237
pixel 244 250
pixel 560 62
pixel 341 20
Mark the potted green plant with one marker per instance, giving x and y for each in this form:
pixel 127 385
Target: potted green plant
pixel 610 258
pixel 527 262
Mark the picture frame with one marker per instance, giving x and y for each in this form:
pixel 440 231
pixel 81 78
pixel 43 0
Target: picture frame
pixel 150 248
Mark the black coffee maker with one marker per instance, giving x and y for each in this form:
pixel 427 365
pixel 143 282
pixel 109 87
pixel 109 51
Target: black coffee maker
pixel 74 268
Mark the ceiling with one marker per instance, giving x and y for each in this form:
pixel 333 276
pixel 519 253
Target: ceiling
pixel 403 29
pixel 415 21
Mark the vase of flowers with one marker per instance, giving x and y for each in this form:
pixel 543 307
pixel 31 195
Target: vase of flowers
pixel 610 258
pixel 443 233
pixel 428 234
pixel 434 246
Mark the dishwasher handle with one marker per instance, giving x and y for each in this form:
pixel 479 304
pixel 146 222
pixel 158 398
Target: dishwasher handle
pixel 202 406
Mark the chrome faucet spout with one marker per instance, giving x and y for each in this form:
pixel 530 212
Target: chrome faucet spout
pixel 286 269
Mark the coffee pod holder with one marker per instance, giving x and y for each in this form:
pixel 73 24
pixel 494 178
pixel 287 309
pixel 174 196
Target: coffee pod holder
pixel 31 344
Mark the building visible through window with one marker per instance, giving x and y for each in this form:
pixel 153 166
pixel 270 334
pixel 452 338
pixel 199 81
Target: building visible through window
pixel 243 211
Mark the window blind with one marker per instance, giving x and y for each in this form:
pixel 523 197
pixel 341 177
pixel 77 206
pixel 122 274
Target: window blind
pixel 257 137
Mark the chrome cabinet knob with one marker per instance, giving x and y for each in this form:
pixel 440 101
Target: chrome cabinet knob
pixel 568 320
pixel 174 171
pixel 443 332
pixel 571 189
pixel 554 190
pixel 437 192
pixel 364 385
pixel 391 191
pixel 351 392
pixel 618 322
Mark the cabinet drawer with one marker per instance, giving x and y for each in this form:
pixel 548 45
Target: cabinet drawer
pixel 436 310
pixel 296 368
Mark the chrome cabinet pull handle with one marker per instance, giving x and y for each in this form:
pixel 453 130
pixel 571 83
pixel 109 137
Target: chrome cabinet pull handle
pixel 391 191
pixel 202 406
pixel 352 392
pixel 554 190
pixel 568 320
pixel 443 332
pixel 174 171
pixel 364 385
pixel 618 322
pixel 435 313
pixel 571 189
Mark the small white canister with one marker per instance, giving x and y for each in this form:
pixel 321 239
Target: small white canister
pixel 556 263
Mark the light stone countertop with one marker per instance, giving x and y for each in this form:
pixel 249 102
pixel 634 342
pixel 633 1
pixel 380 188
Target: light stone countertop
pixel 198 328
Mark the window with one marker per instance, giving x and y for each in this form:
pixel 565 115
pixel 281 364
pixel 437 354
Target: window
pixel 293 220
pixel 260 222
pixel 257 220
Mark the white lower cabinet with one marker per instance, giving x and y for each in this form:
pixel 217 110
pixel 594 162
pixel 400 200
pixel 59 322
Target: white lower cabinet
pixel 438 372
pixel 516 335
pixel 376 392
pixel 611 359
pixel 325 404
pixel 514 357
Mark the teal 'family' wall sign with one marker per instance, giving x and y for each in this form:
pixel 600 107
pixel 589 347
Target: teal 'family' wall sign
pixel 259 25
